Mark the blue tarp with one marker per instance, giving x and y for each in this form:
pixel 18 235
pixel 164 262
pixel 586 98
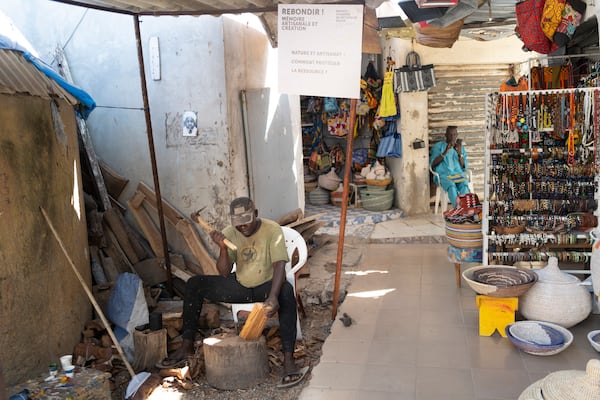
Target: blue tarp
pixel 86 103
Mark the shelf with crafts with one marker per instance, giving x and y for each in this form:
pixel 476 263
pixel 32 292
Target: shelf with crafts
pixel 540 193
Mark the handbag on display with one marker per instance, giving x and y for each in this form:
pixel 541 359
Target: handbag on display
pixel 320 160
pixel 390 146
pixel 414 77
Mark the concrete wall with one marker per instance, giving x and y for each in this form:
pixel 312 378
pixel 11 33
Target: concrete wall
pixel 411 171
pixel 43 306
pixel 205 62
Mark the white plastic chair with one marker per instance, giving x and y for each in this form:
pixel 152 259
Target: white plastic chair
pixel 441 196
pixel 293 241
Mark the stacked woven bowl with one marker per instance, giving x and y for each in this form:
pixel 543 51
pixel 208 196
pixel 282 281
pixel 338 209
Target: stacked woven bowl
pixel 464 236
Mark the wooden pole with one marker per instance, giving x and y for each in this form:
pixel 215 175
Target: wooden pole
pixel 159 204
pixel 89 294
pixel 348 167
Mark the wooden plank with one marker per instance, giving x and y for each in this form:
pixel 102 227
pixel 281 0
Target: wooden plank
pixel 115 222
pixel 309 225
pixel 290 217
pixel 110 270
pixel 309 232
pixel 115 203
pixel 170 213
pixel 207 263
pixel 151 271
pixel 193 268
pixel 145 223
pixel 305 220
pixel 115 252
pixel 84 134
pixel 180 273
pixel 139 243
pixel 170 308
pixel 184 227
pixel 114 182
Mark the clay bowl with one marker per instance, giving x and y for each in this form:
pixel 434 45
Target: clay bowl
pixel 500 280
pixel 539 338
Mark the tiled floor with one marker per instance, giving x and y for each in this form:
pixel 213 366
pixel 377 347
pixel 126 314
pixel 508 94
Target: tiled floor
pixel 415 335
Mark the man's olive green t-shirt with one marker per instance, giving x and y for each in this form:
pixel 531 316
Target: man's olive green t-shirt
pixel 256 254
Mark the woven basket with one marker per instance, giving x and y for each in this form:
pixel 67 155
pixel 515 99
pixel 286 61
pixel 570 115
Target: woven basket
pixel 466 227
pixel 506 289
pixel 329 181
pixel 375 188
pixel 310 186
pixel 537 334
pixel 375 193
pixel 359 179
pixel 378 202
pixel 534 337
pixel 567 385
pixel 557 297
pixel 594 339
pixel 378 182
pixel 504 277
pixel 318 197
pixel 464 236
pixel 337 198
pixel 465 243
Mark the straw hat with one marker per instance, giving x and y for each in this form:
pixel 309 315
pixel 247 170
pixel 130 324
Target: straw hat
pixel 567 385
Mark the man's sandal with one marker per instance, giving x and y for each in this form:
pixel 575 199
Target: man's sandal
pixel 293 378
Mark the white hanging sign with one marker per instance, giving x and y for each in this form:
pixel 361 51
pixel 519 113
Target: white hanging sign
pixel 320 49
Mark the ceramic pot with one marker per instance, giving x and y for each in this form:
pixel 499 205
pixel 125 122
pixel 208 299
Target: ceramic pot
pixel 556 297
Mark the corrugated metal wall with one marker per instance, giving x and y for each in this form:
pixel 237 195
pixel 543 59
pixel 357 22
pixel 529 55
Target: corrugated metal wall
pixel 459 99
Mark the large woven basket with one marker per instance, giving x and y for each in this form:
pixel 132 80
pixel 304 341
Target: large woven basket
pixel 500 281
pixel 377 202
pixel 464 236
pixel 567 385
pixel 318 197
pixel 465 243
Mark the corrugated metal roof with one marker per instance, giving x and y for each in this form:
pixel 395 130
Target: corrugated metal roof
pixel 19 76
pixel 200 7
pixel 266 10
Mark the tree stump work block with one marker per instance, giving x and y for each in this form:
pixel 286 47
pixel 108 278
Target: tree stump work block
pixel 234 363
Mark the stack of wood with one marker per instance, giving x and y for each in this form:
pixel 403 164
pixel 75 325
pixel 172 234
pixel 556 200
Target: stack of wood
pixel 254 325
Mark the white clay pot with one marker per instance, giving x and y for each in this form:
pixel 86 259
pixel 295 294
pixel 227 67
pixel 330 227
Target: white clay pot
pixel 556 297
pixel 595 260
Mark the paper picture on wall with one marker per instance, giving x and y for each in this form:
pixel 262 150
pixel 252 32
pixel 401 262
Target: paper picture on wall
pixel 190 123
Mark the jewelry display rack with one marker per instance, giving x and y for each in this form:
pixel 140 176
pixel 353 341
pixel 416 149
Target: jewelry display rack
pixel 541 185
